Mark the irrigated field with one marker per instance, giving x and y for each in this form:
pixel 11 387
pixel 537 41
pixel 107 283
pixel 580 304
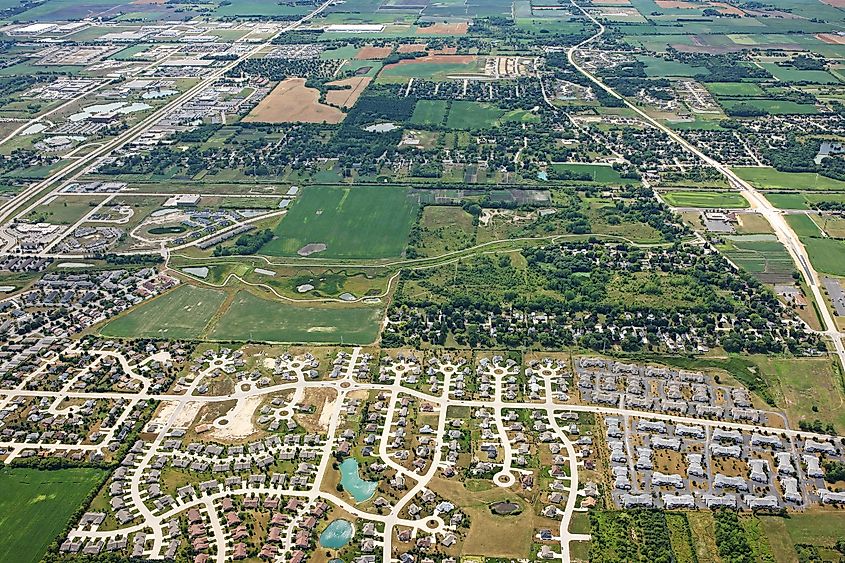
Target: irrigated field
pixel 255 319
pixel 359 222
pixel 36 505
pixel 181 313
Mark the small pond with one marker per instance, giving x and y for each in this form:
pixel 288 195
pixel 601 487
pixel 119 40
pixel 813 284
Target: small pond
pixel 359 489
pixel 337 534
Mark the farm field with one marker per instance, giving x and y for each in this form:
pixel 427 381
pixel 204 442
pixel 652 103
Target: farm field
pixel 735 89
pixel 432 67
pixel 293 102
pixel 792 74
pixel 802 201
pixel 803 225
pixel 359 222
pixel 659 67
pixel 767 178
pixel 429 112
pixel 761 255
pixel 180 313
pixel 251 318
pixel 705 199
pixel 827 255
pixel 773 107
pixel 35 506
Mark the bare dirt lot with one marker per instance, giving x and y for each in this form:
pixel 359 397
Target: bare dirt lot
pixel 831 38
pixel 292 102
pixel 371 53
pixel 347 98
pixel 835 3
pixel 411 47
pixel 459 28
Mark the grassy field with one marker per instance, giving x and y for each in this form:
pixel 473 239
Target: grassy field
pixel 445 229
pixel 429 112
pixel 770 179
pixel 705 199
pixel 792 74
pixel 181 313
pixel 36 505
pixel 64 210
pixel 827 255
pixel 252 318
pixel 359 222
pixel 599 173
pixel 816 528
pixel 656 66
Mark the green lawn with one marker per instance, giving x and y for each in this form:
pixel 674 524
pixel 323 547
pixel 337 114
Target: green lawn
pixel 705 199
pixel 768 178
pixel 356 222
pixel 251 318
pixel 36 505
pixel 181 313
pixel 429 112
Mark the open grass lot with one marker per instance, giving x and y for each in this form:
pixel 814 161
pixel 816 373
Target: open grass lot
pixel 816 528
pixel 768 178
pixel 359 222
pixel 181 313
pixel 445 229
pixel 827 255
pixel 252 318
pixel 798 385
pixel 761 255
pixel 64 210
pixel 429 112
pixel 256 8
pixel 36 505
pixel 659 67
pixel 705 199
pixel 599 173
pixel 473 115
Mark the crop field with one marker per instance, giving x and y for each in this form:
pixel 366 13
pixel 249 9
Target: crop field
pixel 473 115
pixel 36 505
pixel 181 313
pixel 429 112
pixel 792 74
pixel 346 98
pixel 705 199
pixel 433 67
pixel 656 66
pixel 359 222
pixel 735 89
pixel 293 102
pixel 773 107
pixel 761 255
pixel 770 179
pixel 803 225
pixel 827 255
pixel 802 200
pixel 251 318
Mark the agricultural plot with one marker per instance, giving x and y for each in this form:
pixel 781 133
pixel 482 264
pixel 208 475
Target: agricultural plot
pixel 804 226
pixel 181 313
pixel 429 112
pixel 598 173
pixel 293 102
pixel 36 505
pixel 251 318
pixel 770 179
pixel 359 222
pixel 258 8
pixel 659 67
pixel 735 89
pixel 432 67
pixel 827 255
pixel 705 199
pixel 792 74
pixel 761 255
pixel 771 106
